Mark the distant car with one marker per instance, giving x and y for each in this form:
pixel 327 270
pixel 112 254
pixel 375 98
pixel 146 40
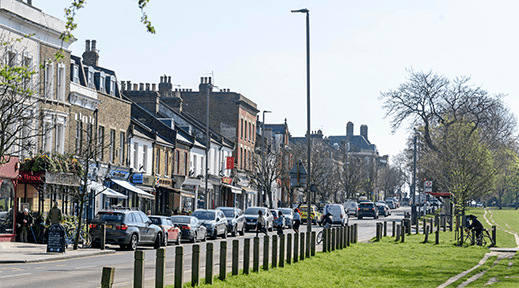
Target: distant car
pixel 191 228
pixel 125 227
pixel 171 232
pixel 352 207
pixel 315 215
pixel 397 203
pixel 368 209
pixel 391 204
pixel 251 215
pixel 382 209
pixel 235 220
pixel 214 220
pixel 289 216
pixel 339 214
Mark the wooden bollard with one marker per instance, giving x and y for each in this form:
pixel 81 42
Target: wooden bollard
pixel 494 234
pixel 308 234
pixel 274 251
pixel 450 223
pixel 339 237
pixel 329 238
pixel 385 228
pixel 398 233
pixel 436 221
pixel 472 241
pixel 209 263
pixel 394 229
pixel 195 266
pixel 179 267
pixel 417 226
pixel 314 235
pixel 431 225
pixel 223 260
pixel 296 247
pixel 403 229
pixel 437 236
pixel 138 269
pixel 255 256
pixel 348 236
pixel 356 234
pixel 333 239
pixel 107 279
pixel 289 248
pixel 424 225
pixel 246 256
pixel 160 268
pixel 408 226
pixel 282 250
pixel 377 228
pixel 266 249
pixel 103 236
pixel 235 257
pixel 426 233
pixel 325 241
pixel 302 248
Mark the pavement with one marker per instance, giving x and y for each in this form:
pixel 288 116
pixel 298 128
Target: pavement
pixel 19 252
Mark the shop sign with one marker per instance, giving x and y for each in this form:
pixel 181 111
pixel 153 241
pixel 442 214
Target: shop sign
pixel 164 182
pixel 116 174
pixel 148 180
pixel 229 163
pixel 66 179
pixel 227 180
pixel 137 178
pixel 31 177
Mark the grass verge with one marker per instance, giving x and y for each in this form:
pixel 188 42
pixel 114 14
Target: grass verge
pixel 503 218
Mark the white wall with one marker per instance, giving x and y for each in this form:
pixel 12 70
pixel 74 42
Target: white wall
pixel 135 163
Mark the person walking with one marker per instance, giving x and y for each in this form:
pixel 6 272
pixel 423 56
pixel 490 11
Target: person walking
pixel 260 225
pixel 280 222
pixel 54 216
pixel 24 221
pixel 297 220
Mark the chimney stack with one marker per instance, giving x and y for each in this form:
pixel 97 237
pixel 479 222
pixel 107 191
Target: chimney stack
pixel 129 85
pixel 349 128
pixel 87 45
pixel 94 45
pixel 147 86
pixel 141 86
pixel 153 87
pixel 364 131
pixel 135 86
pixel 123 86
pixel 90 56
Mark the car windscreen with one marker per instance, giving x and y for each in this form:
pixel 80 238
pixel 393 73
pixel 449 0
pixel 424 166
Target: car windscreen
pixel 204 215
pixel 110 217
pixel 286 211
pixel 366 205
pixel 254 211
pixel 180 219
pixel 229 213
pixel 156 221
pixel 333 209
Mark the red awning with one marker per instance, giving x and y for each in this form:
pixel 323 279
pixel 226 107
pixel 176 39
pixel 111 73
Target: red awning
pixel 442 194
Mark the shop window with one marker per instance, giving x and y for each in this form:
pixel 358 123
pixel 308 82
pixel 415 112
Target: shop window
pixel 6 207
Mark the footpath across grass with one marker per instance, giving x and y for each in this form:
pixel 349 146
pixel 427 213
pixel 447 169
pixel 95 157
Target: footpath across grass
pixel 505 219
pixel 380 264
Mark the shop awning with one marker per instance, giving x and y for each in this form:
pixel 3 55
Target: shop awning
pixel 129 186
pixel 108 192
pixel 145 188
pixel 184 193
pixel 209 185
pixel 250 191
pixel 235 190
pixel 192 182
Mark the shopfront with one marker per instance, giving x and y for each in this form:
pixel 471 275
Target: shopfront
pixel 165 200
pixel 137 198
pixel 192 185
pixel 8 183
pixel 147 184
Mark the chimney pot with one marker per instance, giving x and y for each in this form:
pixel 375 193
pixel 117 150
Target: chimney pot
pixel 123 86
pixel 135 86
pixel 169 79
pixel 201 80
pixel 87 45
pixel 205 80
pixel 153 87
pixel 129 85
pixel 147 86
pixel 94 45
pixel 141 86
pixel 161 79
pixel 209 80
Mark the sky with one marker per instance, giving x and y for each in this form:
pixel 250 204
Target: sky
pixel 358 49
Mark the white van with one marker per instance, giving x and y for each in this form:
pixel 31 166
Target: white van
pixel 339 215
pixel 352 207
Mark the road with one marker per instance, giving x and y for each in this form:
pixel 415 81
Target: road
pixel 86 272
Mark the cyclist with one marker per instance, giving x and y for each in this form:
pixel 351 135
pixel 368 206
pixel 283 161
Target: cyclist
pixel 476 225
pixel 327 220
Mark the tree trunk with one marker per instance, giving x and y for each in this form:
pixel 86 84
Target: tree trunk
pixel 80 216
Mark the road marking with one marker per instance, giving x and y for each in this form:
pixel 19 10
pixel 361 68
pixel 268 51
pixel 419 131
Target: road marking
pixel 86 267
pixel 14 275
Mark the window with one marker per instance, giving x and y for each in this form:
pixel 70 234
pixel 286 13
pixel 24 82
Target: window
pixel 253 133
pixel 60 136
pixel 112 146
pixel 241 158
pixel 89 142
pixel 79 128
pixel 11 59
pixel 178 162
pixel 194 165
pixel 101 143
pixel 27 63
pixel 90 77
pixel 47 136
pixel 186 171
pixel 245 131
pixel 75 73
pixel 241 128
pixel 49 80
pixel 61 82
pixel 250 132
pixel 157 160
pixel 145 157
pixel 121 148
pixel 136 156
pixel 166 172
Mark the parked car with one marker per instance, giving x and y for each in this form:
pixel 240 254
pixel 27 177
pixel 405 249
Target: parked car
pixel 235 220
pixel 125 227
pixel 391 204
pixel 383 210
pixel 289 216
pixel 251 216
pixel 368 209
pixel 170 232
pixel 315 215
pixel 191 228
pixel 397 203
pixel 214 220
pixel 339 214
pixel 351 207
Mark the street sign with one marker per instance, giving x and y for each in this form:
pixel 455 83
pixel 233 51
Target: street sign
pixel 428 186
pixel 298 175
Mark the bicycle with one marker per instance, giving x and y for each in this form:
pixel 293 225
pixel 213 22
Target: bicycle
pixel 481 240
pixel 319 238
pixel 85 239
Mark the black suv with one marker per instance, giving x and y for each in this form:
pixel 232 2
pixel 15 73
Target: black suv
pixel 125 227
pixel 367 209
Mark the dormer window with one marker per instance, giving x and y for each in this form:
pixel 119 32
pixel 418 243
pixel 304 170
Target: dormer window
pixel 75 73
pixel 90 77
pixel 100 78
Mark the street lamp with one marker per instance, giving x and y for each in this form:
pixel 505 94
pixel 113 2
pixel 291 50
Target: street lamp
pixel 413 186
pixel 263 156
pixel 308 136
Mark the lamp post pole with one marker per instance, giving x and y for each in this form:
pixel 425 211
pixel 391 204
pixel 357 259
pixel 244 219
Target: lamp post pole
pixel 207 146
pixel 308 135
pixel 413 186
pixel 263 155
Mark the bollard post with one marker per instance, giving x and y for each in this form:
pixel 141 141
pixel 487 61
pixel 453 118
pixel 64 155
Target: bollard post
pixel 494 234
pixel 437 236
pixel 424 225
pixel 302 248
pixel 450 223
pixel 235 257
pixel 308 234
pixel 103 236
pixel 377 229
pixel 436 221
pixel 431 225
pixel 403 229
pixel 394 229
pixel 417 231
pixel 195 266
pixel 426 233
pixel 255 256
pixel 223 260
pixel 329 239
pixel 296 247
pixel 333 239
pixel 246 256
pixel 266 248
pixel 209 263
pixel 385 228
pixel 314 235
pixel 408 226
pixel 289 248
pixel 397 238
pixel 356 233
pixel 282 250
pixel 348 236
pixel 179 267
pixel 339 237
pixel 107 279
pixel 274 251
pixel 325 240
pixel 138 270
pixel 160 268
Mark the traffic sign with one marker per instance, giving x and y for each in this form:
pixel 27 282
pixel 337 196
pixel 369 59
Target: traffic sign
pixel 428 186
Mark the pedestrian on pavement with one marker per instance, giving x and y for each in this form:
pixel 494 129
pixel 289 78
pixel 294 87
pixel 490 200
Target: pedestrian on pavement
pixel 280 222
pixel 24 222
pixel 260 225
pixel 279 203
pixel 297 220
pixel 54 216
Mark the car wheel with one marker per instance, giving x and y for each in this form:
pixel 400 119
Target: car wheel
pixel 271 227
pixel 234 231
pixel 194 238
pixel 158 239
pixel 360 217
pixel 179 237
pixel 166 239
pixel 134 240
pixel 224 236
pixel 215 234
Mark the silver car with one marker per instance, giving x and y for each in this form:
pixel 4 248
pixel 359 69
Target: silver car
pixel 213 220
pixel 235 220
pixel 251 215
